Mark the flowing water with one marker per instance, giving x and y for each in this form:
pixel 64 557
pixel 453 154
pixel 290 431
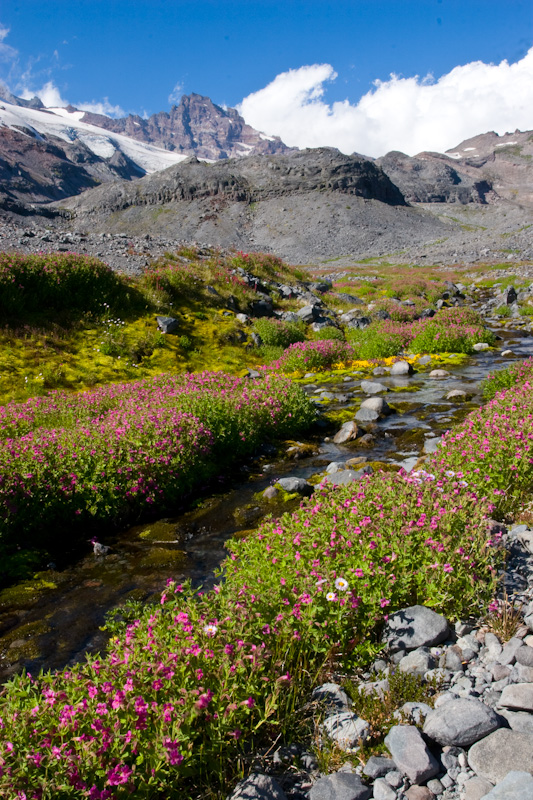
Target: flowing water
pixel 52 621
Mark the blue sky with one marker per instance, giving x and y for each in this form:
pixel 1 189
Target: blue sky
pixel 134 55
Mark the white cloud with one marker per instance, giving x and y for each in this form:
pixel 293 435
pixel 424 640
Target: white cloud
pixel 407 114
pixel 7 53
pixel 49 95
pixel 102 107
pixel 175 94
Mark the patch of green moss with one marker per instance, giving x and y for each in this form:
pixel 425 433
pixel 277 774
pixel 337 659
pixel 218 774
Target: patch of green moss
pixel 159 531
pixel 21 643
pixel 27 593
pixel 162 557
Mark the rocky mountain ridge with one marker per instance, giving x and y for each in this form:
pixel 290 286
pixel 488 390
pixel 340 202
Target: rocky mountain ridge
pixel 195 127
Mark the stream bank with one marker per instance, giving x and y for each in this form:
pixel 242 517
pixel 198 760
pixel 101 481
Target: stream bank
pixel 52 621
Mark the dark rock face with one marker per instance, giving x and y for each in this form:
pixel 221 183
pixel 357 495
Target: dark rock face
pixel 432 178
pixel 257 178
pixel 40 170
pixel 195 127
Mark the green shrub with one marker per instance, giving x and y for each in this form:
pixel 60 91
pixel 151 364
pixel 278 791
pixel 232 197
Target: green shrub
pixel 329 333
pixel 310 356
pixel 379 340
pixel 60 282
pixel 276 333
pixel 503 311
pixel 506 378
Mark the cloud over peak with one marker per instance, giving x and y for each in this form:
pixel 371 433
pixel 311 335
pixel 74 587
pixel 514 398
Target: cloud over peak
pixel 407 114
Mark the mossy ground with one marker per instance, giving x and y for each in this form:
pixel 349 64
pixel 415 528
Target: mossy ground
pixel 36 358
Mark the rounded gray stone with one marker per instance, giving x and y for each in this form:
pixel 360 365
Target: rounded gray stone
pixel 520 721
pixel 401 368
pixel 346 729
pixel 501 752
pixel 378 766
pixel 518 696
pixel 417 662
pixel 524 655
pixel 294 485
pixel 340 786
pixel 517 785
pixel 411 754
pixel 456 394
pixel 258 787
pixel 383 790
pixel 347 432
pixel 335 466
pixel 331 695
pixel 415 626
pixel 373 387
pixel 439 373
pixel 376 404
pixel 475 788
pixel 346 476
pixel 367 415
pixel 461 722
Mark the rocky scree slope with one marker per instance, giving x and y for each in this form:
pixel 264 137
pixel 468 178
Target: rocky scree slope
pixel 304 205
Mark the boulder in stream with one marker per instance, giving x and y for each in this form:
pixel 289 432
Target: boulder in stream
pixel 294 485
pixel 347 432
pixel 401 368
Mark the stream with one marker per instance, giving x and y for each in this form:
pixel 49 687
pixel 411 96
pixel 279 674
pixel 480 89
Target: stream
pixel 53 621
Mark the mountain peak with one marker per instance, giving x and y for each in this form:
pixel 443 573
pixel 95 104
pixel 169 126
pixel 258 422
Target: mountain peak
pixel 195 126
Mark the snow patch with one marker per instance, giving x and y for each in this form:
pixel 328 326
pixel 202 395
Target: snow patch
pixel 66 125
pixel 466 149
pixel 504 144
pixel 64 112
pixel 266 138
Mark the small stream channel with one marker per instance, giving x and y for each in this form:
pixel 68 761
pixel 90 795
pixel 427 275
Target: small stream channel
pixel 53 621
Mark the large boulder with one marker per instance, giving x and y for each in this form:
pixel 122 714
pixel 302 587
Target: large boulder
pixel 461 722
pixel 411 754
pixel 416 626
pixel 501 752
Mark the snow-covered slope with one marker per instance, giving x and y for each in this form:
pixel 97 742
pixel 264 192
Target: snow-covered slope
pixel 67 126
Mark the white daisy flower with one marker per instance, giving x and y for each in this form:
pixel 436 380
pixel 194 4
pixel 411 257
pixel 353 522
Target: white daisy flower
pixel 210 629
pixel 331 596
pixel 342 585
